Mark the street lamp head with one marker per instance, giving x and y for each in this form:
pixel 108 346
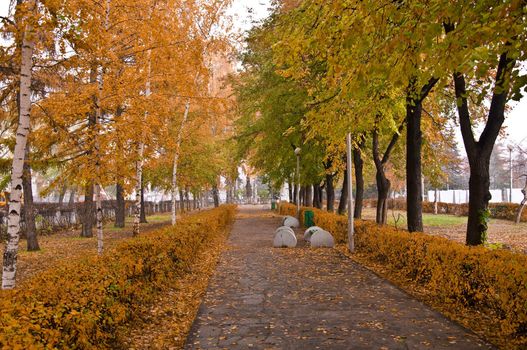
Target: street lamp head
pixel 297 151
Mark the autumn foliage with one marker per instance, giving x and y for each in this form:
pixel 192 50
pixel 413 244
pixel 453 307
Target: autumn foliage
pixel 490 282
pixel 83 303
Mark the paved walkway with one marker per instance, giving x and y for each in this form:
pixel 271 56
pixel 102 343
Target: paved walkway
pixel 267 298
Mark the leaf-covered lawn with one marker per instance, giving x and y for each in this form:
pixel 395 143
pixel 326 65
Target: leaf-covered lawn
pixel 500 232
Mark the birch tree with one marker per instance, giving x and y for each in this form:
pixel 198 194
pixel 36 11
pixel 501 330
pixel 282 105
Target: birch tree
pixel 17 169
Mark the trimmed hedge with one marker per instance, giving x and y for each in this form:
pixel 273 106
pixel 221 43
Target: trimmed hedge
pixel 493 282
pixel 504 211
pixel 81 304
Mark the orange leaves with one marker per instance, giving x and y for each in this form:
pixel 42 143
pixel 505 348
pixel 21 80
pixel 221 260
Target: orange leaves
pixel 82 303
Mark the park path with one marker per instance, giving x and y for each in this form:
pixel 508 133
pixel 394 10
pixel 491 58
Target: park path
pixel 267 298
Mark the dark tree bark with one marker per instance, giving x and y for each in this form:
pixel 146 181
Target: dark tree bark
pixel 343 195
pixel 309 196
pixel 316 196
pixel 320 196
pixel 248 189
pixel 479 152
pixel 302 197
pixel 87 224
pixel 295 189
pixel 120 206
pixel 414 195
pixel 62 194
pixel 29 211
pixel 142 214
pixel 330 192
pixel 359 180
pixel 72 195
pixel 216 196
pixel 181 201
pixel 383 183
pixel 290 188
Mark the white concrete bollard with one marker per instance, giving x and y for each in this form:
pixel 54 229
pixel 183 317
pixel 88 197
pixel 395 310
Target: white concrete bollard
pixel 285 228
pixel 291 221
pixel 284 238
pixel 310 231
pixel 322 239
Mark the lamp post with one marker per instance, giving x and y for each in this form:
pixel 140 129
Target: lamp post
pixel 510 168
pixel 297 153
pixel 351 240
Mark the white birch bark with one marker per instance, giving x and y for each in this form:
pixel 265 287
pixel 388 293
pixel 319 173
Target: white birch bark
pixel 13 219
pixel 98 120
pixel 176 158
pixel 139 162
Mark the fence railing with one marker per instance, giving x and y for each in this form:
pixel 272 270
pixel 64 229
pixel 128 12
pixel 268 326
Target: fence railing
pixel 53 217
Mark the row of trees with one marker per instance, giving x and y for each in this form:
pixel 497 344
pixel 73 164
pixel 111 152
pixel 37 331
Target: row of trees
pixel 111 93
pixel 401 76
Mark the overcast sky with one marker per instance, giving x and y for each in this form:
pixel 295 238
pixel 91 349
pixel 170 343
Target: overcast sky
pixel 248 12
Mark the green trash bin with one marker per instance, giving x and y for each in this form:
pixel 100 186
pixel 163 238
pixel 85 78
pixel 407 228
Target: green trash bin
pixel 273 205
pixel 309 218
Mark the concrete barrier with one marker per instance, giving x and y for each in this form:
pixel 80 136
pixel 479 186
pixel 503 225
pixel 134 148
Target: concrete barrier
pixel 322 239
pixel 310 231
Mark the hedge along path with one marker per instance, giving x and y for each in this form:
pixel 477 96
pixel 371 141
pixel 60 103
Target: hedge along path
pixel 88 303
pixel 267 298
pixel 67 245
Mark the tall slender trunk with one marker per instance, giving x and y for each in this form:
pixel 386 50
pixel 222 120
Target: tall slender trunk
pixel 29 210
pixel 181 201
pixel 309 196
pixel 176 159
pixel 120 206
pixel 383 184
pixel 142 216
pixel 414 195
pixel 317 196
pixel 290 191
pixel 187 198
pixel 87 223
pixel 62 194
pixel 17 169
pixel 73 192
pixel 215 195
pixel 435 201
pixel 343 195
pixel 359 181
pixel 302 197
pixel 295 189
pixel 330 192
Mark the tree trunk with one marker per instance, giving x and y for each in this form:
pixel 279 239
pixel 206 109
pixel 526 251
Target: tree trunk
pixel 98 217
pixel 383 189
pixel 176 159
pixel 435 201
pixel 17 169
pixel 181 201
pixel 73 192
pixel 523 203
pixel 142 218
pixel 330 192
pixel 414 195
pixel 343 195
pixel 302 196
pixel 138 187
pixel 290 191
pixel 62 194
pixel 29 211
pixel 120 206
pixel 215 195
pixel 316 198
pixel 309 196
pixel 359 181
pixel 478 184
pixel 87 224
pixel 479 152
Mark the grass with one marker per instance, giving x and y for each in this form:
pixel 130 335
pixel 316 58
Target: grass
pixel 428 219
